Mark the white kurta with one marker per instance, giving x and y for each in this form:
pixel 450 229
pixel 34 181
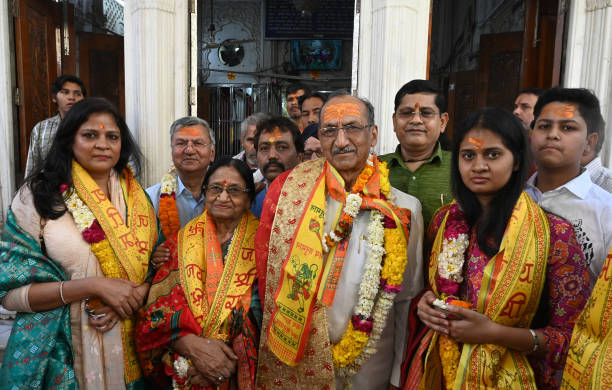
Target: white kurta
pixel 385 366
pixel 98 356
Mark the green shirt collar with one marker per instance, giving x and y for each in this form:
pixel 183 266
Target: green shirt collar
pixel 437 154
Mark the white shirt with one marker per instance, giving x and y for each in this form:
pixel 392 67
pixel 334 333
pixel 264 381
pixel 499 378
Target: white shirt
pixel 257 174
pixel 600 175
pixel 384 366
pixel 588 208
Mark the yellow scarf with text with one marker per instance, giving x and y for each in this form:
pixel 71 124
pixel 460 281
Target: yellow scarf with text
pixel 590 353
pixel 511 287
pixel 213 288
pixel 130 243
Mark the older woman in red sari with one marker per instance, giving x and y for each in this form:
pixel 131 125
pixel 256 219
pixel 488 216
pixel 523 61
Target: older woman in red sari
pixel 200 328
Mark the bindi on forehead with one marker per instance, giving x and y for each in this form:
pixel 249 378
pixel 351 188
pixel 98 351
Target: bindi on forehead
pixel 101 126
pixel 189 132
pixel 339 110
pixel 476 142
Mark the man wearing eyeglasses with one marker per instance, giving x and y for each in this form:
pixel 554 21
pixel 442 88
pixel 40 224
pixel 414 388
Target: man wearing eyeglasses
pixel 324 231
pixel 419 166
pixel 179 198
pixel 279 148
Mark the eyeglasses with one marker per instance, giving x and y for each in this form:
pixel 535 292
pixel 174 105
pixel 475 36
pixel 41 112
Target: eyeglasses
pixel 424 114
pixel 349 130
pixel 183 144
pixel 232 191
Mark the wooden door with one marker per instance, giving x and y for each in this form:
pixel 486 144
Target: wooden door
pixel 462 98
pixel 500 69
pixel 101 67
pixel 40 58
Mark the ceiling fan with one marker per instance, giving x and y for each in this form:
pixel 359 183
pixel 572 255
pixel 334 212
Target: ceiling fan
pixel 211 44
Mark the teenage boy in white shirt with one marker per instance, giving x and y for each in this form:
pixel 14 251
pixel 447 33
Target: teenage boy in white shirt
pixel 566 122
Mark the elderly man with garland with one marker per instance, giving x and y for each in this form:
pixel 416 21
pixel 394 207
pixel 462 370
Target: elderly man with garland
pixel 338 255
pixel 179 197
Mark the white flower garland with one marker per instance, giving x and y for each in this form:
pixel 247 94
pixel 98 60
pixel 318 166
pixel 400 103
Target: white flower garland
pixel 169 182
pixel 450 260
pixel 368 290
pixel 81 213
pixel 371 276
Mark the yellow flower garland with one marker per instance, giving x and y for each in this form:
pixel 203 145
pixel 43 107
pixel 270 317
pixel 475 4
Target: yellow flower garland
pixel 353 342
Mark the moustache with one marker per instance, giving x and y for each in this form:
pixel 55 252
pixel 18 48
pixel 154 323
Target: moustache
pixel 274 163
pixel 346 149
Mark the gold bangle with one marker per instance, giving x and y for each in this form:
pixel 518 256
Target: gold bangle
pixel 61 289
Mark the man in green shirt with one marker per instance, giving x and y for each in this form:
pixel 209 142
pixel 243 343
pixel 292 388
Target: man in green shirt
pixel 419 166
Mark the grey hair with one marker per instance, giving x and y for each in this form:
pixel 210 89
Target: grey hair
pixel 342 93
pixel 250 120
pixel 191 121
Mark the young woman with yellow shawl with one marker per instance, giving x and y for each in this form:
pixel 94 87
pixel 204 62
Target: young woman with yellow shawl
pixel 200 327
pixel 519 268
pixel 75 258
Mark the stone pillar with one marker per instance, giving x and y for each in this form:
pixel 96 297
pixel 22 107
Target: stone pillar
pixel 7 157
pixel 157 76
pixel 589 58
pixel 393 45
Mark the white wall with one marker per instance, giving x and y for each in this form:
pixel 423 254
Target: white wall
pixel 393 38
pixel 589 57
pixel 157 73
pixel 7 157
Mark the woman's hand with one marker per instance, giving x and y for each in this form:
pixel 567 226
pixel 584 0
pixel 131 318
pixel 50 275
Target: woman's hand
pixel 103 318
pixel 160 256
pixel 213 359
pixel 141 293
pixel 472 327
pixel 195 378
pixel 120 294
pixel 432 318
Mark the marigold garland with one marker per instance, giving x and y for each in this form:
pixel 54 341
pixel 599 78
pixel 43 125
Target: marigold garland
pixel 363 333
pixel 450 270
pixel 168 210
pixel 351 208
pixel 92 232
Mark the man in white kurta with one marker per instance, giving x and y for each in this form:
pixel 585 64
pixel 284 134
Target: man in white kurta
pixel 347 134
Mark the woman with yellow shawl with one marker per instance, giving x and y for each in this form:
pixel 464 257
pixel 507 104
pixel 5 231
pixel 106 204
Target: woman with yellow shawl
pixel 495 251
pixel 200 327
pixel 75 258
pixel 590 353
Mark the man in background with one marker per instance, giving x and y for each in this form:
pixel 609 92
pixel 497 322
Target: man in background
pixel 66 90
pixel 524 104
pixel 294 92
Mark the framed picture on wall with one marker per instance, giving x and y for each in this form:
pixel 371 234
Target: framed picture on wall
pixel 316 54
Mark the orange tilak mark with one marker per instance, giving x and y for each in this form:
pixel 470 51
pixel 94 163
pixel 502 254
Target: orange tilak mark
pixel 565 112
pixel 477 142
pixel 276 134
pixel 339 110
pixel 417 107
pixel 101 126
pixel 189 131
